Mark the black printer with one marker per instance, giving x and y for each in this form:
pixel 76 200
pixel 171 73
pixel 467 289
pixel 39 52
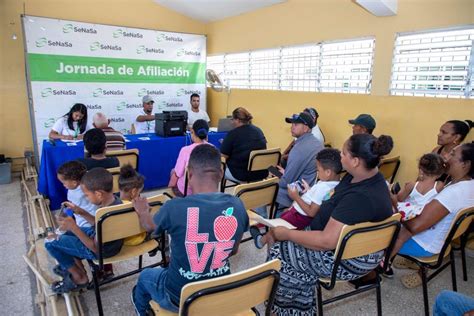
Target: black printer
pixel 171 123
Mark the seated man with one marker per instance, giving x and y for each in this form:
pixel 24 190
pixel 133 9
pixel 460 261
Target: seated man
pixel 363 124
pixel 115 139
pixel 205 228
pixel 302 158
pixel 316 131
pixel 196 113
pixel 94 142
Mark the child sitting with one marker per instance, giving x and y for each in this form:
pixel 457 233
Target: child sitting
pixel 414 196
pixel 305 207
pixel 131 184
pixel 80 243
pixel 70 175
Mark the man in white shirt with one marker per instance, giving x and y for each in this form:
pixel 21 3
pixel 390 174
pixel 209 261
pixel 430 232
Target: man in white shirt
pixel 195 113
pixel 145 122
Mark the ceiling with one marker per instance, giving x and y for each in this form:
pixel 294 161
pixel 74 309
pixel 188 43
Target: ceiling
pixel 214 10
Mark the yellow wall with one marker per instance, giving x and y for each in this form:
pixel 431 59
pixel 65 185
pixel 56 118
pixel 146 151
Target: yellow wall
pixel 412 122
pixel 15 130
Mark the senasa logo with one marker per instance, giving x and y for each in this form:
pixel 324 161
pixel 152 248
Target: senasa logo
pixel 164 104
pixel 184 52
pixel 94 106
pixel 124 105
pixel 144 92
pixel 68 28
pixel 49 122
pixel 121 33
pixel 47 92
pixel 117 120
pixel 43 41
pixel 101 92
pixel 182 92
pixel 161 37
pixel 142 49
pixel 98 46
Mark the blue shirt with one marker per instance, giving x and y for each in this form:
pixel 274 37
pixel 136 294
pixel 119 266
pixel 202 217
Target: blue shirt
pixel 205 228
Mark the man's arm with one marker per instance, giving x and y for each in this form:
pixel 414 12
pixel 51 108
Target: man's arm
pixel 145 118
pixel 79 211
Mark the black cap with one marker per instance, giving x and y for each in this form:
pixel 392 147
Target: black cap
pixel 312 112
pixel 365 120
pixel 303 118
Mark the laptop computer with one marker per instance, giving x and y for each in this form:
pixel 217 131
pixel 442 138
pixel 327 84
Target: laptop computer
pixel 224 125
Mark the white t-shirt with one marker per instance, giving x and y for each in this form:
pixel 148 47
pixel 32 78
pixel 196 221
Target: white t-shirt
pixel 194 116
pixel 316 131
pixel 144 127
pixel 319 192
pixel 77 197
pixel 61 127
pixel 454 198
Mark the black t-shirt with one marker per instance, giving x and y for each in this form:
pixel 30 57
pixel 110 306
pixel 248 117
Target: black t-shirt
pixel 109 162
pixel 238 144
pixel 112 248
pixel 353 203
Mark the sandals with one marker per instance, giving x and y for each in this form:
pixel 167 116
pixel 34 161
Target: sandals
pixel 257 236
pixel 402 263
pixel 411 280
pixel 66 286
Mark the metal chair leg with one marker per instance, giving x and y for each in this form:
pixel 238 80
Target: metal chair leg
pixel 424 282
pixel 463 256
pixel 320 299
pixel 95 278
pixel 453 271
pixel 379 297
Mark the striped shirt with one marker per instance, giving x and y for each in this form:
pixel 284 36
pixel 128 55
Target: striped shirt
pixel 115 139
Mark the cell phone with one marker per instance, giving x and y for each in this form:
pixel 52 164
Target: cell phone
pixel 396 188
pixel 274 170
pixel 298 185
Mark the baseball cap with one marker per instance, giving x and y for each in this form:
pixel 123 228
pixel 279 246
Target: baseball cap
pixel 312 112
pixel 365 120
pixel 147 99
pixel 303 118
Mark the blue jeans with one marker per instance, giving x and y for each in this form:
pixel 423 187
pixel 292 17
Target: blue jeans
pixel 449 303
pixel 68 247
pixel 151 286
pixel 412 248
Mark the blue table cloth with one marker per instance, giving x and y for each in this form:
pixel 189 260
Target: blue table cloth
pixel 157 157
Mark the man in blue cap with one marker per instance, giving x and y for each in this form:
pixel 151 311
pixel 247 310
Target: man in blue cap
pixel 363 124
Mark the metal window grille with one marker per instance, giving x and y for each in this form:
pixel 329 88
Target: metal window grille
pixel 434 64
pixel 344 66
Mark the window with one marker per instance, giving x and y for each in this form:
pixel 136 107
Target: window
pixel 344 66
pixel 435 64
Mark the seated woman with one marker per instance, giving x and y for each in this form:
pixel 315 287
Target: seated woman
pixel 238 144
pixel 199 133
pixel 72 125
pixel 451 134
pixel 306 256
pixel 424 235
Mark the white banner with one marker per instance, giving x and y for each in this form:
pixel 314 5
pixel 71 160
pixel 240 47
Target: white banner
pixel 109 69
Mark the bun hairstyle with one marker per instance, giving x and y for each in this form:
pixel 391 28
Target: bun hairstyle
pixel 369 148
pixel 467 155
pixel 242 115
pixel 130 179
pixel 461 127
pixel 432 164
pixel 201 129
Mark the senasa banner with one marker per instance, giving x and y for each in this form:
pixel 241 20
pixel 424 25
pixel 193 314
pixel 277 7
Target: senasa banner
pixel 109 69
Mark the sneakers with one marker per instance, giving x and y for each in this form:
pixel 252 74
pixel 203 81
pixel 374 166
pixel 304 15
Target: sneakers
pixel 364 281
pixel 257 236
pixel 67 285
pixel 387 274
